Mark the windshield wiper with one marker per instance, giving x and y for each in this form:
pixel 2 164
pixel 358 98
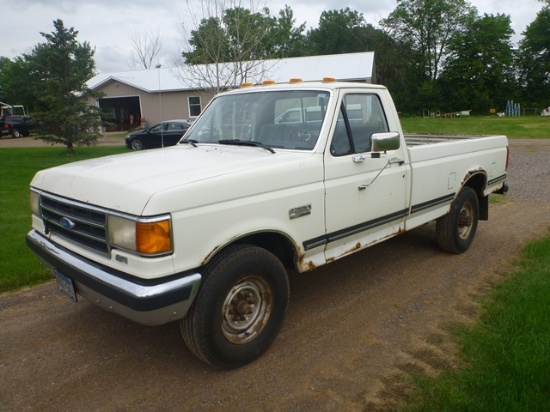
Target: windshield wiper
pixel 238 142
pixel 192 142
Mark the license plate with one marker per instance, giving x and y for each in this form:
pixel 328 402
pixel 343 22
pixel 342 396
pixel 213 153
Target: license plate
pixel 65 285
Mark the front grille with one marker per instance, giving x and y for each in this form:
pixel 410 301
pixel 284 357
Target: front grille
pixel 80 223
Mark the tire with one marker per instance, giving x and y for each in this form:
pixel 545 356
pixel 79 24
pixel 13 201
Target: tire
pixel 457 229
pixel 137 144
pixel 239 308
pixel 15 133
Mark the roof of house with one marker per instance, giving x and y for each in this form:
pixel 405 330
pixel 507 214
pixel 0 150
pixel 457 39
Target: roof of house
pixel 348 66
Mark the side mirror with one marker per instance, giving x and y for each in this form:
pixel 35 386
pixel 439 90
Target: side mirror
pixel 382 142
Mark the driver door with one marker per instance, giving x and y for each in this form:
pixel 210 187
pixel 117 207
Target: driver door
pixel 365 196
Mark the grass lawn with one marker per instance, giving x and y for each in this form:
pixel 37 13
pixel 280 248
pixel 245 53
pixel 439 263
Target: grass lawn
pixel 506 353
pixel 523 127
pixel 18 266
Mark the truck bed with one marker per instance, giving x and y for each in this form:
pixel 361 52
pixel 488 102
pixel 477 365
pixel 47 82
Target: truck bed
pixel 443 148
pixel 422 139
pixel 440 164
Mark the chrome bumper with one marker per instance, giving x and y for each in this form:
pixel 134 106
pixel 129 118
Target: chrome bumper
pixel 149 302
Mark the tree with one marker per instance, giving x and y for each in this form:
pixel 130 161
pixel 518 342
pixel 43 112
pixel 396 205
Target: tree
pixel 223 45
pixel 146 45
pixel 396 68
pixel 4 65
pixel 230 45
pixel 479 73
pixel 427 27
pixel 534 62
pixel 423 31
pixel 339 31
pixel 286 39
pixel 60 68
pixel 16 83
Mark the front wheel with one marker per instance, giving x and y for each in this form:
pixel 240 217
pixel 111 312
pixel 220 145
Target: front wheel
pixel 456 230
pixel 137 144
pixel 239 309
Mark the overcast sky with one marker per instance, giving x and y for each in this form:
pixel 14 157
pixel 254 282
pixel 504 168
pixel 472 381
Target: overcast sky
pixel 107 24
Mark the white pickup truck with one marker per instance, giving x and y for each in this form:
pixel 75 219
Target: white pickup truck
pixel 205 231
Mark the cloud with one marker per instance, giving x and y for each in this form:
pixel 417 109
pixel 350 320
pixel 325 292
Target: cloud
pixel 106 24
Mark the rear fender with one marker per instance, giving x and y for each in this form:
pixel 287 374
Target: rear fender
pixel 477 180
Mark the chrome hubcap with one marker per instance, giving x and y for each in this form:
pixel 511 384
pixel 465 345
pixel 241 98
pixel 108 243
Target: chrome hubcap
pixel 246 310
pixel 465 221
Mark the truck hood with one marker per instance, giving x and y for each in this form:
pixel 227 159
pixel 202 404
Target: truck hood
pixel 128 182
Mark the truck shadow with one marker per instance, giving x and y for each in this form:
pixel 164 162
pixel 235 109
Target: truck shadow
pixel 161 348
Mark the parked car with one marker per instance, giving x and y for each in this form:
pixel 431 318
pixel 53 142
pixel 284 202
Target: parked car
pixel 14 121
pixel 163 134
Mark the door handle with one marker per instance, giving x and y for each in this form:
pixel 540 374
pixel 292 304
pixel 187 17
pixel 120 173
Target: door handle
pixel 395 160
pixel 358 158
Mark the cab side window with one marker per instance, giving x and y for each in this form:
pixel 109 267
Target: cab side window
pixel 359 117
pixel 341 142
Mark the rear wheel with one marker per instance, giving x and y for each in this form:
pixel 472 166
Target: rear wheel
pixel 239 309
pixel 456 230
pixel 137 144
pixel 15 133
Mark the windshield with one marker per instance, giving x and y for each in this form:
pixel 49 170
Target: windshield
pixel 277 119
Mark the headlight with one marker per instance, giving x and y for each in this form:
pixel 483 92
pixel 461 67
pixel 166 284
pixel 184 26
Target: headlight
pixel 34 200
pixel 147 236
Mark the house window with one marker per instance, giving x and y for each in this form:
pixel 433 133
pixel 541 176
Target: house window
pixel 194 105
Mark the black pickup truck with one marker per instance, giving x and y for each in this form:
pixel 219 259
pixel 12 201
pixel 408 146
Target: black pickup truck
pixel 13 121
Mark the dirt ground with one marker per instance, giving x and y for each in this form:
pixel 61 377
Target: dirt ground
pixel 354 329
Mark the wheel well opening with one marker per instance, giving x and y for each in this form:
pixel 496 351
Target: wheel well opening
pixel 276 243
pixel 477 182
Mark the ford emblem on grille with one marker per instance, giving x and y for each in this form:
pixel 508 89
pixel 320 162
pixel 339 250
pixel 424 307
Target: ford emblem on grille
pixel 67 223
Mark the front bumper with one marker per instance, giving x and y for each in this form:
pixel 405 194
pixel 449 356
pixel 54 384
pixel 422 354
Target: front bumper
pixel 149 302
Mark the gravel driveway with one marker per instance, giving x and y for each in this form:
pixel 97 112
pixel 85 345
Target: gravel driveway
pixel 31 141
pixel 355 328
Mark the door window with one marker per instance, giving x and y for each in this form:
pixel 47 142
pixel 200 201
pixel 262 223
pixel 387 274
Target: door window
pixel 359 117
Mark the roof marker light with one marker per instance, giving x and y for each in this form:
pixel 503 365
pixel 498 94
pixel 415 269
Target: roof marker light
pixel 295 80
pixel 329 79
pixel 268 82
pixel 248 84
